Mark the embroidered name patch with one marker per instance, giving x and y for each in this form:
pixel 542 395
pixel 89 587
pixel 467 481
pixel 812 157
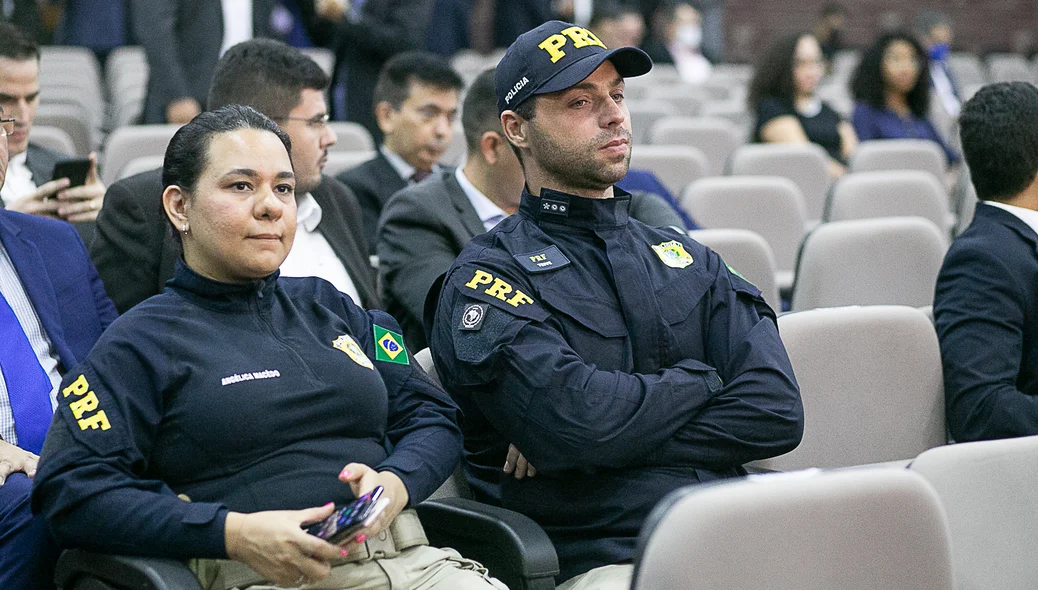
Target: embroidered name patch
pixel 673 254
pixel 389 347
pixel 353 350
pixel 547 259
pixel 239 377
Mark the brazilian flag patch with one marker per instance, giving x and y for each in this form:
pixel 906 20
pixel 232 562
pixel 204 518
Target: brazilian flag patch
pixel 389 347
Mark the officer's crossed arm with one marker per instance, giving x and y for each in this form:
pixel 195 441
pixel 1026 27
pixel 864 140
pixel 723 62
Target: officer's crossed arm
pixel 495 340
pixel 758 414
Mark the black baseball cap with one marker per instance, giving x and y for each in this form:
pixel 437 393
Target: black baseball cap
pixel 554 57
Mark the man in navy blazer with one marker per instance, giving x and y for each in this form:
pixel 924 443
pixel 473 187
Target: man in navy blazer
pixel 986 301
pixel 50 286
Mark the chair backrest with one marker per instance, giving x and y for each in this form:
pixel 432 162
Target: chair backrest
pixel 456 486
pixel 894 193
pixel 1009 67
pixel 717 138
pixel 770 206
pixel 987 489
pixel 900 154
pixel 807 165
pixel 55 138
pixel 323 57
pixel 967 68
pixel 352 137
pixel 749 254
pixel 141 164
pixel 70 119
pixel 885 261
pixel 675 166
pixel 343 161
pixel 686 99
pixel 644 114
pixel 871 382
pixel 134 141
pixel 853 530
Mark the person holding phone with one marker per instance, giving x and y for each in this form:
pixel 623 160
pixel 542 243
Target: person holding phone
pixel 264 400
pixel 31 185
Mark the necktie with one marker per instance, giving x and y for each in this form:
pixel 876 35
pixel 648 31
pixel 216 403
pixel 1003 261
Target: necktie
pixel 28 387
pixel 420 175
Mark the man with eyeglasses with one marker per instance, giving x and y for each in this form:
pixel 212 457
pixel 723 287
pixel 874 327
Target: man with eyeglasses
pixel 132 250
pixel 53 309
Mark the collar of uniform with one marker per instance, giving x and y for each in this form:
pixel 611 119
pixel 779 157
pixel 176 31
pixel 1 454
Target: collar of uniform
pixel 220 296
pixel 580 211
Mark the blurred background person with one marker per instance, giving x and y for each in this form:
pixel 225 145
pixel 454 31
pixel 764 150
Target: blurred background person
pixel 935 31
pixel 829 29
pixel 365 34
pixel 617 25
pixel 891 91
pixel 183 39
pixel 678 36
pixel 98 25
pixel 783 96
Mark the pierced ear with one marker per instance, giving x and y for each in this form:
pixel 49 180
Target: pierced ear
pixel 514 128
pixel 174 202
pixel 384 116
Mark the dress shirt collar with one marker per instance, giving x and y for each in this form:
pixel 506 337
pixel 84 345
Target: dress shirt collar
pixel 1028 216
pixel 405 170
pixel 570 210
pixel 19 183
pixel 486 209
pixel 308 213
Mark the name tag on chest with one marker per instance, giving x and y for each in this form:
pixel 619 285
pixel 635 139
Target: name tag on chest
pixel 550 258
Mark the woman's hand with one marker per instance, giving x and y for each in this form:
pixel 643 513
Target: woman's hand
pixel 274 544
pixel 362 479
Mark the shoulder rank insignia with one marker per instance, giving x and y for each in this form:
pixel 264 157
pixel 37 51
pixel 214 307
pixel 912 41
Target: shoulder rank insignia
pixel 673 254
pixel 389 347
pixel 348 345
pixel 550 258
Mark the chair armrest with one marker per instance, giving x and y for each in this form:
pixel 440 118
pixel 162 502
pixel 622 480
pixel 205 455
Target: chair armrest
pixel 512 546
pixel 121 571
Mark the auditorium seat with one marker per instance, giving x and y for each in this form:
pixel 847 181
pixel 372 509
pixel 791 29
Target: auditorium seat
pixel 70 119
pixel 807 165
pixel 141 164
pixel 352 137
pixel 126 143
pixel 323 57
pixel 871 382
pixel 884 261
pixel 55 138
pixel 687 100
pixel 892 193
pixel 1009 67
pixel 749 254
pixel 768 205
pixel 644 114
pixel 853 530
pixel 343 161
pixel 900 154
pixel 967 69
pixel 675 166
pixel 987 490
pixel 716 137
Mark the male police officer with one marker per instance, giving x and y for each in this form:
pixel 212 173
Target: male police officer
pixel 623 361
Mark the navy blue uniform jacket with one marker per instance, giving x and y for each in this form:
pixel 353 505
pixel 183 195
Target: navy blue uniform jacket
pixel 986 311
pixel 59 279
pixel 243 397
pixel 624 361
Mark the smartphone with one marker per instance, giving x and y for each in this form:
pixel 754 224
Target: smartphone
pixel 349 519
pixel 74 170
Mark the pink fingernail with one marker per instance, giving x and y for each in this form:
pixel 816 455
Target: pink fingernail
pixel 343 553
pixel 345 473
pixel 362 538
pixel 328 504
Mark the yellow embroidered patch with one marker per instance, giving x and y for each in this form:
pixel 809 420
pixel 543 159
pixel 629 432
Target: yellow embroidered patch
pixel 673 254
pixel 353 350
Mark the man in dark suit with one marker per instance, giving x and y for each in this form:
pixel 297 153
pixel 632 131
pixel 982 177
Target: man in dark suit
pixel 986 301
pixel 30 185
pixel 183 40
pixel 135 255
pixel 365 34
pixel 416 102
pixel 424 227
pixel 52 310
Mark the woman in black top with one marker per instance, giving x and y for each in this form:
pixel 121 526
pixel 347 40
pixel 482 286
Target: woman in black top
pixel 782 93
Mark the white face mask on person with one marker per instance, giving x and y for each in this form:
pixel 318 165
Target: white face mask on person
pixel 690 36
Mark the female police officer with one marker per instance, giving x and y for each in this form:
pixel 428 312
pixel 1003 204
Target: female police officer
pixel 247 393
